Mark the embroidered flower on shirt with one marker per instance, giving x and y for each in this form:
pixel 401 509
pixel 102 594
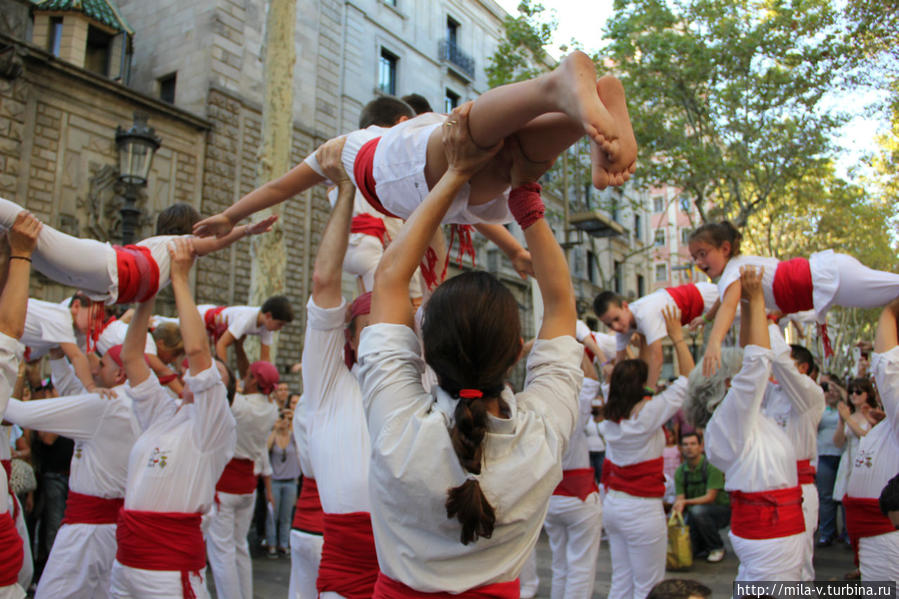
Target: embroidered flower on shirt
pixel 864 458
pixel 157 458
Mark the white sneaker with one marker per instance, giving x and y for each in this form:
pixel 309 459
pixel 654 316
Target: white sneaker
pixel 715 555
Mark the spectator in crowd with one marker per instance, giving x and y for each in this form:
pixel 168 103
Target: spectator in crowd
pixel 702 499
pixel 282 392
pixel 828 459
pixel 282 451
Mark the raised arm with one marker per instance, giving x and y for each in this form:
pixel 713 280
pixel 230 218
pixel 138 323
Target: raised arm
pixel 22 238
pixel 652 354
pixel 676 334
pixel 193 331
pixel 390 298
pixel 885 363
pixel 723 321
pixel 82 368
pixel 505 241
pixel 328 270
pixel 136 368
pixel 205 245
pixel 547 258
pixel 887 336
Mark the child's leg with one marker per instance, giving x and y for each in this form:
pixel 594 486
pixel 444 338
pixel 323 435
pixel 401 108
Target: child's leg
pixel 80 263
pixel 863 287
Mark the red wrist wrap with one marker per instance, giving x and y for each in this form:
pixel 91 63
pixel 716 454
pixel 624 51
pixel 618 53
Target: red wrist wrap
pixel 526 205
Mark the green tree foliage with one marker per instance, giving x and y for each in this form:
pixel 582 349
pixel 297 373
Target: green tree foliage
pixel 725 95
pixel 521 55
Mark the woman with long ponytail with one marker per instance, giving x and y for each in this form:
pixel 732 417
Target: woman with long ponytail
pixel 461 477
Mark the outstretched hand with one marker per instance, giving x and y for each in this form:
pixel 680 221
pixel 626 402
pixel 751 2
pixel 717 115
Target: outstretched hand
pixel 697 323
pixel 218 225
pixel 522 264
pixel 462 155
pixel 751 281
pixel 263 226
pixel 711 361
pixel 672 323
pixel 329 159
pixel 182 253
pixel 22 236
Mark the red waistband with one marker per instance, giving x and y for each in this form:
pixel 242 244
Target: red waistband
pixel 7 465
pixel 370 225
pixel 363 172
pixel 162 541
pixel 643 479
pixel 792 286
pixel 138 273
pixel 349 565
pixel 89 509
pixel 308 515
pixel 237 478
pixel 388 588
pixel 12 552
pixel 689 301
pixel 577 483
pixel 214 326
pixel 806 472
pixel 767 514
pixel 864 518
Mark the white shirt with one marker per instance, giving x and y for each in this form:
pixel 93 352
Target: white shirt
pixel 595 440
pixel 300 437
pixel 731 274
pixel 104 431
pixel 647 312
pixel 10 353
pixel 159 251
pixel 255 416
pixel 47 325
pixel 754 453
pixel 795 402
pixel 877 458
pixel 339 445
pixel 64 378
pixel 578 453
pixel 241 321
pixel 640 438
pixel 606 342
pixel 182 452
pixel 114 334
pixel 414 464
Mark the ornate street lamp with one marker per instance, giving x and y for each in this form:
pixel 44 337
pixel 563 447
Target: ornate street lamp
pixel 136 146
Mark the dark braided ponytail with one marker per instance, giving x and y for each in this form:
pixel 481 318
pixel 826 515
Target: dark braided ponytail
pixel 467 501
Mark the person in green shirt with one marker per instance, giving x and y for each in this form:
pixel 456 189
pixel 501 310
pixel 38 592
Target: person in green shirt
pixel 701 498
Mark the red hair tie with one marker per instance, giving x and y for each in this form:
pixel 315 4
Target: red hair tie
pixel 471 393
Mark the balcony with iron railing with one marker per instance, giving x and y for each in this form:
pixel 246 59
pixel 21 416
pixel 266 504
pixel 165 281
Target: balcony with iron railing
pixel 461 62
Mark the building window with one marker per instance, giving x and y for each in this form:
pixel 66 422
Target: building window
pixel 661 272
pixel 452 31
pixel 96 57
pixel 684 203
pixel 619 277
pixel 167 88
pixel 390 3
pixel 660 238
pixel 387 73
pixel 638 227
pixel 591 263
pixel 685 236
pixel 658 204
pixel 55 37
pixel 641 286
pixel 450 101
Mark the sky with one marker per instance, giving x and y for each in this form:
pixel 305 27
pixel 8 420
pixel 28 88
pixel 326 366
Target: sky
pixel 584 21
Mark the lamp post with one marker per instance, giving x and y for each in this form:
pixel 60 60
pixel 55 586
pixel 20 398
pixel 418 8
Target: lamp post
pixel 136 147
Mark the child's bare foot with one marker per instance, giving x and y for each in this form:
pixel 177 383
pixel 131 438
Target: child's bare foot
pixel 614 168
pixel 576 91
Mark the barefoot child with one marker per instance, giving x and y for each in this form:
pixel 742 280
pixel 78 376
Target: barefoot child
pixel 120 274
pixel 825 279
pixel 395 168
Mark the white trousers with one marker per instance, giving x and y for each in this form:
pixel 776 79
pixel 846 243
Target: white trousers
pixel 878 557
pixel 810 513
pixel 637 542
pixel 26 573
pixel 80 263
pixel 305 556
pixel 528 581
pixel 80 562
pixel 227 548
pixel 135 583
pixel 13 591
pixel 574 528
pixel 769 559
pixel 841 280
pixel 362 257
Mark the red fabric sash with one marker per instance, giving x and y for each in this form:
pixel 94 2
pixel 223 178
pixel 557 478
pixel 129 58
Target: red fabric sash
pixel 138 273
pixel 643 479
pixel 577 483
pixel 864 519
pixel 12 552
pixel 363 168
pixel 370 225
pixel 7 465
pixel 689 301
pixel 215 327
pixel 767 514
pixel 237 478
pixel 792 286
pixel 89 509
pixel 590 355
pixel 388 588
pixel 308 515
pixel 806 472
pixel 349 565
pixel 162 541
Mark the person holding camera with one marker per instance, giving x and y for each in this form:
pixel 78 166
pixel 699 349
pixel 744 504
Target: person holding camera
pixel 282 452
